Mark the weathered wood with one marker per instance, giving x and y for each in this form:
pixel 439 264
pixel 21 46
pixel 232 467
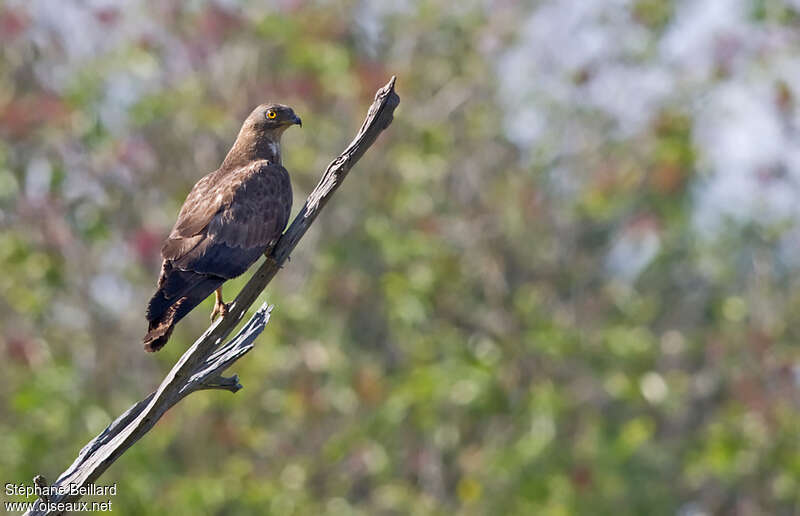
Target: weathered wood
pixel 201 367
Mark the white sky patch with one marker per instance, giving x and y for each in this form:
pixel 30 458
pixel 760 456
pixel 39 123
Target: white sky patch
pixel 557 43
pixel 631 95
pixel 697 31
pixel 37 178
pixel 753 160
pixel 633 250
pixel 111 292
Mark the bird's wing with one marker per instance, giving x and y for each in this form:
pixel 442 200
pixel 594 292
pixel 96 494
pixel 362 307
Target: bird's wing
pixel 230 222
pixel 205 199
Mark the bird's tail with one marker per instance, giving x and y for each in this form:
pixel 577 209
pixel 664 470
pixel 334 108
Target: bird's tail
pixel 178 293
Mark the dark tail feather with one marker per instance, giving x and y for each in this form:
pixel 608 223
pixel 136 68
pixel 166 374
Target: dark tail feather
pixel 177 295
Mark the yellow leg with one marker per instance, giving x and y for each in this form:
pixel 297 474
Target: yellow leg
pixel 220 307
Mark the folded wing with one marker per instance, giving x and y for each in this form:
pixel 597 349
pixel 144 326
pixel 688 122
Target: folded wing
pixel 228 220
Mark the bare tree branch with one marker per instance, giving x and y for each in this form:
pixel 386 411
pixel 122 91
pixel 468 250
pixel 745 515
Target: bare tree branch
pixel 201 367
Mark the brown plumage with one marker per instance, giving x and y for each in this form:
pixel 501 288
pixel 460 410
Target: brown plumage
pixel 230 218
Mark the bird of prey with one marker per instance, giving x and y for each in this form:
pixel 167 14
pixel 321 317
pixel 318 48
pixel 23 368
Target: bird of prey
pixel 230 218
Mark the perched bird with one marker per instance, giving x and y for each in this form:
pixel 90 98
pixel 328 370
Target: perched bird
pixel 230 218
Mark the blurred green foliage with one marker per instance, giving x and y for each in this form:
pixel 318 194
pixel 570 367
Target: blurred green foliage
pixel 474 325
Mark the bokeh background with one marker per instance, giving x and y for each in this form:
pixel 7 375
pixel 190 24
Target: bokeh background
pixel 565 280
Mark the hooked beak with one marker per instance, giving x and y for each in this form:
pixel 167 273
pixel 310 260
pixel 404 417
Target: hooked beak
pixel 297 121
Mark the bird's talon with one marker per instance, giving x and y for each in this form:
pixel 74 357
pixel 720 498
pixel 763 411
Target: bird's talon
pixel 220 309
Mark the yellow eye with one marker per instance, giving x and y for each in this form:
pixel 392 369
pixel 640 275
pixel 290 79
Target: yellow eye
pixel 271 114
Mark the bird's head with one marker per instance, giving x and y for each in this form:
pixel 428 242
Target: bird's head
pixel 271 120
pixel 260 135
